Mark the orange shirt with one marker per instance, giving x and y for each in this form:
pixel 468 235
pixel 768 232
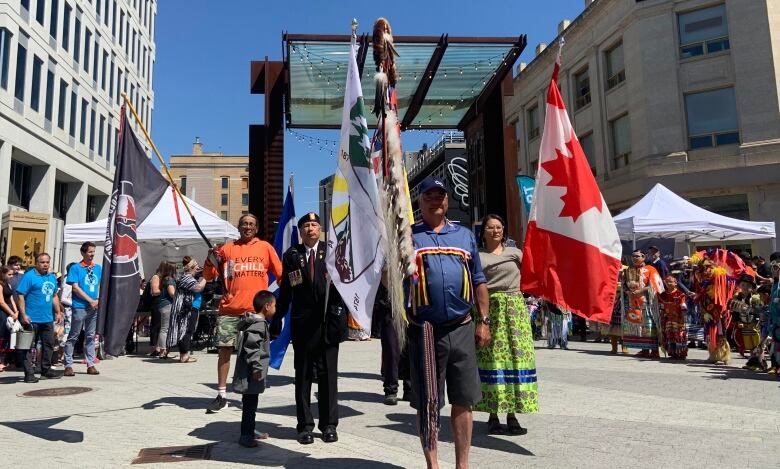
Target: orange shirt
pixel 245 269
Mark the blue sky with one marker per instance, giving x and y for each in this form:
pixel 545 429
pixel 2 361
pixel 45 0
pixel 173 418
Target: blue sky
pixel 204 47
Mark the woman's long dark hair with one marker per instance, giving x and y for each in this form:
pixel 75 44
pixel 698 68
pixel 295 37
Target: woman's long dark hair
pixel 487 218
pixel 4 270
pixel 167 270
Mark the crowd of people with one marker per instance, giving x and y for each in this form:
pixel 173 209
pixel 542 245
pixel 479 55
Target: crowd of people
pixel 715 300
pixel 471 331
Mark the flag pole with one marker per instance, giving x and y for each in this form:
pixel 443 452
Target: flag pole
pixel 165 167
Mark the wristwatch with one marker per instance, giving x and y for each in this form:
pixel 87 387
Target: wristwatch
pixel 483 319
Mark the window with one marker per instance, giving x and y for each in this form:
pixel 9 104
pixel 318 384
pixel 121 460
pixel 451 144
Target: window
pixel 224 200
pixel 105 13
pixel 712 118
pixel 733 206
pixel 61 111
pixel 26 4
pixel 55 4
pixel 101 135
pixel 5 56
pixel 111 80
pixel 103 72
pixel 66 26
pixel 83 131
pixel 35 92
pixel 40 11
pixel 113 19
pixel 225 182
pixel 223 214
pixel 586 142
pixel 121 26
pixel 49 109
pixel 245 199
pixel 92 208
pixel 73 103
pixel 97 7
pixel 19 185
pixel 92 128
pixel 582 89
pixel 60 200
pixel 87 41
pixel 183 185
pixel 95 62
pixel 244 183
pixel 118 86
pixel 621 141
pixel 21 69
pixel 703 31
pixel 533 122
pixel 616 72
pixel 76 39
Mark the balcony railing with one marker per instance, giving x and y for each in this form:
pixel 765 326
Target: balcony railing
pixel 709 46
pixel 616 79
pixel 729 137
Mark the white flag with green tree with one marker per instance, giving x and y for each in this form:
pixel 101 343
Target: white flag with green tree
pixel 355 254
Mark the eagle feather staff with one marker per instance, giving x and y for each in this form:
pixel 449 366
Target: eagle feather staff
pixel 396 206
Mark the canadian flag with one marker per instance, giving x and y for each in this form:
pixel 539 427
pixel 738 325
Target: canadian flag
pixel 571 255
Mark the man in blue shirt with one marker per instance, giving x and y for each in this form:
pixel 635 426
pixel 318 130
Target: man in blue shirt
pixel 442 332
pixel 37 302
pixel 84 277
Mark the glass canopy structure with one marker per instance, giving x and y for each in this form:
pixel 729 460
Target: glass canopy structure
pixel 442 79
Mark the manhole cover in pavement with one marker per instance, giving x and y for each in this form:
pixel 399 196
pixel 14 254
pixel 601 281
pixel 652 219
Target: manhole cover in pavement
pixel 173 454
pixel 54 392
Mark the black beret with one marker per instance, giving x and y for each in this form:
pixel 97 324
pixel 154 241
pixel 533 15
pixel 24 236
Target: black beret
pixel 311 216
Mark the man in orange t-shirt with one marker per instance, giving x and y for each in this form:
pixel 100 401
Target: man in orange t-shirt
pixel 244 266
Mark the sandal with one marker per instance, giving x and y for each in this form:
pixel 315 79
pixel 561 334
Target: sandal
pixel 514 427
pixel 494 427
pixel 188 360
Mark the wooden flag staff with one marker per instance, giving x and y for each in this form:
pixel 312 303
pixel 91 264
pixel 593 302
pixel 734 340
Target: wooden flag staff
pixel 165 167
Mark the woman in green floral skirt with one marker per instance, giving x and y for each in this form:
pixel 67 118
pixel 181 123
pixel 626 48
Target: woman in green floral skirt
pixel 507 367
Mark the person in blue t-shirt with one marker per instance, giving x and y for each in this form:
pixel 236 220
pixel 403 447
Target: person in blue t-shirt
pixel 84 277
pixel 37 302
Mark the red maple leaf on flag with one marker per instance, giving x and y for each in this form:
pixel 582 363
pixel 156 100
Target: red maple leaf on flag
pixel 573 173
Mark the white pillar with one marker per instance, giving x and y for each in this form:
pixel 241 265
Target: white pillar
pixel 5 175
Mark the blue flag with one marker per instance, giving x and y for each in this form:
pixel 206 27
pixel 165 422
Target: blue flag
pixel 286 236
pixel 526 184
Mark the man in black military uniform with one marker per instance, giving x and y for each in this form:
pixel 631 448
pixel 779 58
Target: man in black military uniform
pixel 316 330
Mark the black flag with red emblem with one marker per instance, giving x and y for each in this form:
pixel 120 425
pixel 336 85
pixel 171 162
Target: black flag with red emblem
pixel 138 186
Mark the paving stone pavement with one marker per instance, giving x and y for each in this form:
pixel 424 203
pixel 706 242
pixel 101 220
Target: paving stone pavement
pixel 597 410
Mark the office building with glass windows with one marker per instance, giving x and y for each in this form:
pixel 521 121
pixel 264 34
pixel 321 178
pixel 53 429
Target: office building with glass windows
pixel 681 92
pixel 64 65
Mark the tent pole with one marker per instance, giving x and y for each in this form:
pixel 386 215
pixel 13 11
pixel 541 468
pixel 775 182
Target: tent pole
pixel 633 242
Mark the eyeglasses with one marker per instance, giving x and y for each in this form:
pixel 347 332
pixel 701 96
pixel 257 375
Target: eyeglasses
pixel 637 256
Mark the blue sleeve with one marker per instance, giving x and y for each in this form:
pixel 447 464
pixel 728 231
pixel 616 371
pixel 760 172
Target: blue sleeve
pixel 24 285
pixel 477 276
pixel 73 275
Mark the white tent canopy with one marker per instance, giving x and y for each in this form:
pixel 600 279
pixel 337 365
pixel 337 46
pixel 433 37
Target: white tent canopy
pixel 166 234
pixel 168 221
pixel 663 214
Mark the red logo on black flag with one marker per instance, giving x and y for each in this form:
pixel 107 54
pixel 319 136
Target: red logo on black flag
pixel 138 187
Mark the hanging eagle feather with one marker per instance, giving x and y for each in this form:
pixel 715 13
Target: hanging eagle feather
pixel 396 206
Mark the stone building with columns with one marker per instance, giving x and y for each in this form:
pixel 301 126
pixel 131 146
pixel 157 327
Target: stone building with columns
pixel 681 92
pixel 214 180
pixel 63 67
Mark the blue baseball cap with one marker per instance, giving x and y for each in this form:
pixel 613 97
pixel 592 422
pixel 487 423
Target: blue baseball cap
pixel 430 183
